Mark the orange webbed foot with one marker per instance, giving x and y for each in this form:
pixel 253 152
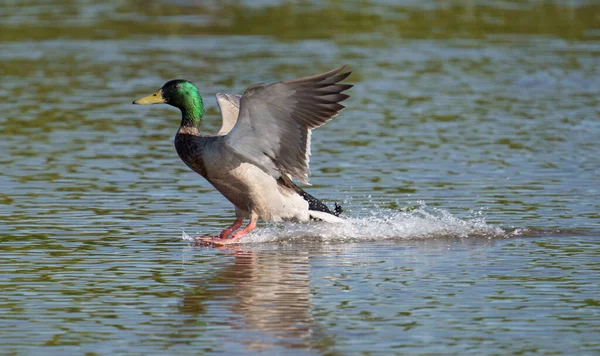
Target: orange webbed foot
pixel 216 241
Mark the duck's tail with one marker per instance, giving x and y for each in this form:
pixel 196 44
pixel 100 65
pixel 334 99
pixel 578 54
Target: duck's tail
pixel 318 210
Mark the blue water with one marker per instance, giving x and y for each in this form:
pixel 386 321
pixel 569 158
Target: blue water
pixel 466 162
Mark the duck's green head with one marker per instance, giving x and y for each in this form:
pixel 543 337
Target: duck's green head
pixel 179 93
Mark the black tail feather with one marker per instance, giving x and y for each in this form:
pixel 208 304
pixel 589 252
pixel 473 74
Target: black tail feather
pixel 337 210
pixel 317 205
pixel 313 203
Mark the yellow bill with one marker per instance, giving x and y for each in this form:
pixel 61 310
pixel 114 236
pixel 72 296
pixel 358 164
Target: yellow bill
pixel 156 98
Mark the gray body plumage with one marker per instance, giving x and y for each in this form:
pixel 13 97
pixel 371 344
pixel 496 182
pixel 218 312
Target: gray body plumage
pixel 249 188
pixel 264 142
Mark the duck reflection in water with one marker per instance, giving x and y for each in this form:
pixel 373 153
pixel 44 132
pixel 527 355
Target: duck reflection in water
pixel 270 294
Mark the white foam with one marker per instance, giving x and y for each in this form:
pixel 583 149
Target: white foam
pixel 186 237
pixel 380 224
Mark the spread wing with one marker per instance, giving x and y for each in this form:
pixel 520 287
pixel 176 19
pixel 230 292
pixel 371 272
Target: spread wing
pixel 230 108
pixel 275 121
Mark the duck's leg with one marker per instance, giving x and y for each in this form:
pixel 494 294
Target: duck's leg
pixel 234 239
pixel 251 226
pixel 228 231
pixel 225 237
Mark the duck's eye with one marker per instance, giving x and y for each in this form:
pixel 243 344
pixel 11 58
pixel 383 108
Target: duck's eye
pixel 177 86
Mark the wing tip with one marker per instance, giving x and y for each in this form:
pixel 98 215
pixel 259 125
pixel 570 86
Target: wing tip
pixel 333 73
pixel 344 74
pixel 341 68
pixel 338 73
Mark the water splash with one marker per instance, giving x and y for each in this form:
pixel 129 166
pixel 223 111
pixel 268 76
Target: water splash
pixel 378 225
pixel 186 237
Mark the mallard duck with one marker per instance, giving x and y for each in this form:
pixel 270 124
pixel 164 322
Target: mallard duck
pixel 263 144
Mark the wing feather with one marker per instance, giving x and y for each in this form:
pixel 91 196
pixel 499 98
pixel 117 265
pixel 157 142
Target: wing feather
pixel 275 121
pixel 230 108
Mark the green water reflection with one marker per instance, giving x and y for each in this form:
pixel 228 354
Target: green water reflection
pixel 302 20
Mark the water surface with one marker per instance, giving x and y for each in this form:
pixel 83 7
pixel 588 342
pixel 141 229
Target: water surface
pixel 467 162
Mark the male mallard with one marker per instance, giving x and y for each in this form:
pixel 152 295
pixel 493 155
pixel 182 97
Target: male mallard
pixel 264 143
